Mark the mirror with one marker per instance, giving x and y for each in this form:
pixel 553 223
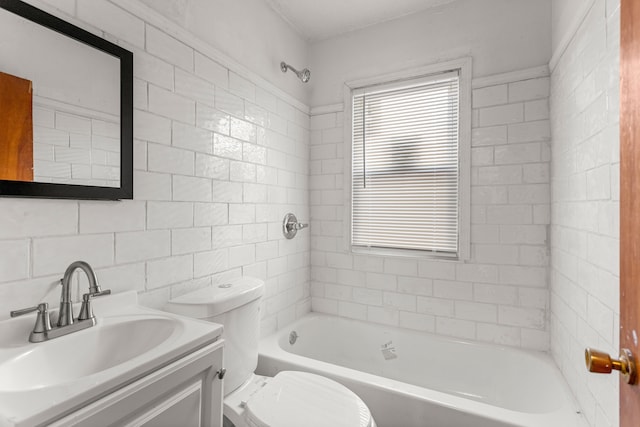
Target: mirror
pixel 66 109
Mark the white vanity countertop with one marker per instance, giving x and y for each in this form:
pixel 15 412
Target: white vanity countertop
pixel 67 374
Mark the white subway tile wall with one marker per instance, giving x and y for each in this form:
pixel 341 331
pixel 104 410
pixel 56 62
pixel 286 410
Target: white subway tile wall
pixel 500 295
pixel 218 162
pixel 74 145
pixel 585 208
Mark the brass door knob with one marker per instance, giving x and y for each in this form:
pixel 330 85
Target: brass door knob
pixel 601 363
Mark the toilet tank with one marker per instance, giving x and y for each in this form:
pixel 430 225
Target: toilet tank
pixel 235 304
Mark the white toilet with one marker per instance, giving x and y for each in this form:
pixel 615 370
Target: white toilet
pixel 290 399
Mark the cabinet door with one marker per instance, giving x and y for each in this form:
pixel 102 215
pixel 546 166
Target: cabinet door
pixel 183 408
pixel 185 393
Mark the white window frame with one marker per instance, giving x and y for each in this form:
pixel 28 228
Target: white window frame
pixel 463 66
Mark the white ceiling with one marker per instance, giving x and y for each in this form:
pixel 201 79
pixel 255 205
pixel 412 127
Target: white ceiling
pixel 322 19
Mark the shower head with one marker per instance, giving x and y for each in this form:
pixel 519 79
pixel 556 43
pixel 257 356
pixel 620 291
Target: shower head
pixel 303 75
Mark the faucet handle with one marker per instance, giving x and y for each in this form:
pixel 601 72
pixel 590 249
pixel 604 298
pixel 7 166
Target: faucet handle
pixel 86 311
pixel 98 293
pixel 43 323
pixel 42 306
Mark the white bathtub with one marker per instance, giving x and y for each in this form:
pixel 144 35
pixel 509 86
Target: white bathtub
pixel 432 381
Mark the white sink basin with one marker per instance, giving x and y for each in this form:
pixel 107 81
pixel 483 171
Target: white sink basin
pixel 41 381
pixel 62 360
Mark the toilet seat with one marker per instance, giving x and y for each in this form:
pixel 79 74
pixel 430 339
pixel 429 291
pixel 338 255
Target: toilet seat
pixel 294 399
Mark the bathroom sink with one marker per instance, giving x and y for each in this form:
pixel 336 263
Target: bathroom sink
pixel 116 340
pixel 40 382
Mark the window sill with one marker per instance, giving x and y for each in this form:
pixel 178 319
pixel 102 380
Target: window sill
pixel 404 253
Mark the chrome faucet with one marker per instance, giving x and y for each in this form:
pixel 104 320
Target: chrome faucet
pixel 65 314
pixel 66 324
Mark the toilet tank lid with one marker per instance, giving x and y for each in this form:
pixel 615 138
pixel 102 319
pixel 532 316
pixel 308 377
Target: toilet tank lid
pixel 217 299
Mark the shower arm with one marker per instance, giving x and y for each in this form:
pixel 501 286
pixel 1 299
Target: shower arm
pixel 303 75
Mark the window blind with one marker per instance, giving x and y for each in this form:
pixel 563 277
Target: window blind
pixel 405 165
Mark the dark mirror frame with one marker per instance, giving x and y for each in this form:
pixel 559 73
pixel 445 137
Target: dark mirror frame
pixel 70 191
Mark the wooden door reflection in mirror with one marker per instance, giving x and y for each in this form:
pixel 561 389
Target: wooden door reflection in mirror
pixel 16 128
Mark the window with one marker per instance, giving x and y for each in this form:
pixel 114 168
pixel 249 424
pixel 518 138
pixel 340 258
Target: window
pixel 406 168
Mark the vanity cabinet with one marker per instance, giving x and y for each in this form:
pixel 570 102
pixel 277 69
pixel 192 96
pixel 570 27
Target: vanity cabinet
pixel 185 393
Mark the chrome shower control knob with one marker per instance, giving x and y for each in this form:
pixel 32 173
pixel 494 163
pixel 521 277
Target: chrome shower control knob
pixel 290 226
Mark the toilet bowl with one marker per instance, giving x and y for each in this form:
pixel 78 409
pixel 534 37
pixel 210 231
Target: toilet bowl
pixel 291 398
